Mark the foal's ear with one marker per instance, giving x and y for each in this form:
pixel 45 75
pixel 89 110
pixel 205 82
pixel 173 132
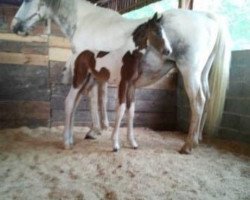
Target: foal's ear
pixel 156 19
pixel 159 20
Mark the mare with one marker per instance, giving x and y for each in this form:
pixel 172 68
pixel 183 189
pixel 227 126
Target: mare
pixel 200 45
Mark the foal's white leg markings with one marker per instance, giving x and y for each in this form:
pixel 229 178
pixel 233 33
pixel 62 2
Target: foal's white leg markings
pixel 115 136
pixel 93 98
pixel 71 102
pixel 103 88
pixel 130 130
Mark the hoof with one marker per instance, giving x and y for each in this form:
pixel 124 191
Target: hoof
pixel 115 149
pixel 68 146
pixel 195 144
pixel 135 148
pixel 92 134
pixel 90 137
pixel 105 127
pixel 185 150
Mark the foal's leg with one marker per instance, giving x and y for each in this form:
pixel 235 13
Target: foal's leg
pixel 115 136
pixel 130 114
pixel 71 103
pixel 102 96
pixel 122 90
pixel 93 98
pixel 192 83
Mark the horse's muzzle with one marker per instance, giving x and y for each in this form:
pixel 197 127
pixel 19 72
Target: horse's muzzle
pixel 17 27
pixel 166 51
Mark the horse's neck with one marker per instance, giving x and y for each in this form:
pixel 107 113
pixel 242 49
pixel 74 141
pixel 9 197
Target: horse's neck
pixel 66 17
pixel 71 13
pixel 152 61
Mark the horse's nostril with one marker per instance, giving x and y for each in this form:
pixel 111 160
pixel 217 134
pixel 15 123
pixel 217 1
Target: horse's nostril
pixel 18 28
pixel 166 52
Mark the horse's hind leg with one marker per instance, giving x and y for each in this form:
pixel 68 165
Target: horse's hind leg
pixel 96 128
pixel 71 103
pixel 192 83
pixel 130 114
pixel 102 94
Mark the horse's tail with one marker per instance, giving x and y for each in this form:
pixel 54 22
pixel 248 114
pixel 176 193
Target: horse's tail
pixel 219 78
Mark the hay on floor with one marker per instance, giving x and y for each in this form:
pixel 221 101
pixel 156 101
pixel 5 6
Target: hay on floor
pixel 34 165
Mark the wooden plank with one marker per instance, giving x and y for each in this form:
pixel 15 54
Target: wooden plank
pixel 59 42
pixel 167 82
pixel 24 47
pixel 161 106
pixel 24 109
pixel 31 113
pixel 24 83
pixel 56 69
pixel 25 59
pixel 14 37
pixel 61 90
pixel 59 54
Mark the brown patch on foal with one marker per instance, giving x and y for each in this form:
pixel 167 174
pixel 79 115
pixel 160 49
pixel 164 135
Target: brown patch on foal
pixel 140 36
pixel 130 72
pixel 85 62
pixel 144 33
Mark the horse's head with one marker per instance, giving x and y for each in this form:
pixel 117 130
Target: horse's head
pixel 30 12
pixel 152 35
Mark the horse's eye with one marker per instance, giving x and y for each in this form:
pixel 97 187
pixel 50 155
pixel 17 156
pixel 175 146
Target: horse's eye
pixel 158 33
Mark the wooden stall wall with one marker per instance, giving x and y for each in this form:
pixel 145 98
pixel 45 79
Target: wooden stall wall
pixel 31 93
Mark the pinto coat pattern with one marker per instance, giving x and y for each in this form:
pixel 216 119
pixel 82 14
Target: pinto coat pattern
pixel 147 40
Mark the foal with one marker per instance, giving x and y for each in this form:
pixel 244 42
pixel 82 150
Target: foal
pixel 126 67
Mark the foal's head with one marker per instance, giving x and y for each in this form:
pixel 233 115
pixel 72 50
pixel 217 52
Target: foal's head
pixel 152 35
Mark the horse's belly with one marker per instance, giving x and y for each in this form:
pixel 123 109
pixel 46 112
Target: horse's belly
pixel 113 64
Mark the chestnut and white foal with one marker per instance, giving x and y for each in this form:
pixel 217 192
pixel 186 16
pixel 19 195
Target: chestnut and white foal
pixel 130 66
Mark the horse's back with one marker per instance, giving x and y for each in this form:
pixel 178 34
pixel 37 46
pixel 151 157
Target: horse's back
pixel 103 29
pixel 189 31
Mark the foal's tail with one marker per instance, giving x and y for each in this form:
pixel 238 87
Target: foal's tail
pixel 219 78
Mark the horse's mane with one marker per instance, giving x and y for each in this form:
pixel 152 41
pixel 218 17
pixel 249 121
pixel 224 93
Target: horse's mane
pixel 140 37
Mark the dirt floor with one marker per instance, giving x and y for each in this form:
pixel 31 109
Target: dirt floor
pixel 34 165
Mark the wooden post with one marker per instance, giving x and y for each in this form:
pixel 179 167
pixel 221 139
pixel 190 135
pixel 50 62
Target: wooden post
pixel 186 4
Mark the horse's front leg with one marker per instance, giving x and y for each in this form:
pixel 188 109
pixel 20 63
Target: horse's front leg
pixel 115 136
pixel 102 97
pixel 71 103
pixel 120 110
pixel 131 114
pixel 96 128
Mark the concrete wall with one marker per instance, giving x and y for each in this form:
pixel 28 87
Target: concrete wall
pixel 235 123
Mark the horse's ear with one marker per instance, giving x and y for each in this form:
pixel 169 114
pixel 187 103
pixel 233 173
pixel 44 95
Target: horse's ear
pixel 154 18
pixel 159 20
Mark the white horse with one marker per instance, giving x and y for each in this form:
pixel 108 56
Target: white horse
pixel 200 42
